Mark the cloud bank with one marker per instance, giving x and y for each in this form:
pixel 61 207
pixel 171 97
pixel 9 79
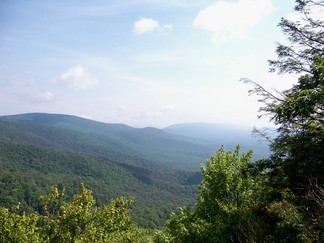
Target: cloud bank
pixel 228 21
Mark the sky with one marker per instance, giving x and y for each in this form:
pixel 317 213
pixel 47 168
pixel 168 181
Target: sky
pixel 140 62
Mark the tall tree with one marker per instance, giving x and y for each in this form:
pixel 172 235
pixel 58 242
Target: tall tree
pixel 297 163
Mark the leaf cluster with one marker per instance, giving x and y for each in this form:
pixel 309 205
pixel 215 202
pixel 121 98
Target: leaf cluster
pixel 78 220
pixel 226 196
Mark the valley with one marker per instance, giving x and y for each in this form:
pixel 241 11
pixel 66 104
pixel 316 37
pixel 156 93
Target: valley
pixel 159 168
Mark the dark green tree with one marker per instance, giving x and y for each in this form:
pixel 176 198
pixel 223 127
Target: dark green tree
pixel 297 163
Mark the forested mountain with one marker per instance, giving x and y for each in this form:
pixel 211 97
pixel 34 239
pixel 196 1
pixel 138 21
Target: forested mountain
pixel 158 168
pixel 96 138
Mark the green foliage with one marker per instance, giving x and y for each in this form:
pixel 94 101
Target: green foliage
pixel 79 220
pixel 300 118
pixel 234 186
pixel 26 172
pixel 235 204
pixel 225 199
pixel 280 220
pixel 18 228
pixel 297 163
pixel 301 107
pixel 39 150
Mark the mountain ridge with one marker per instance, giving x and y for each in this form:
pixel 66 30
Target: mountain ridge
pixel 149 143
pixel 206 137
pixel 159 168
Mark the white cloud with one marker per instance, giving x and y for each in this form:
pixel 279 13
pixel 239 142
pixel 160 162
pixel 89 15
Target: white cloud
pixel 78 78
pixel 232 20
pixel 145 25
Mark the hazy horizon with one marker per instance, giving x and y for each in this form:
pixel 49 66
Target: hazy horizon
pixel 141 63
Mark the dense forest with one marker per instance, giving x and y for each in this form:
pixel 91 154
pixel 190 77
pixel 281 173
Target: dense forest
pixel 87 182
pixel 33 157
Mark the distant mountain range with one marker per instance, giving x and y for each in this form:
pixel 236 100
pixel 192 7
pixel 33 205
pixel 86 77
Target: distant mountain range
pixel 159 167
pixel 228 135
pixel 96 138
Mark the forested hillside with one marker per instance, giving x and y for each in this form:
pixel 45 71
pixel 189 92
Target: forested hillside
pixel 82 135
pixel 28 171
pixel 159 169
pixel 36 154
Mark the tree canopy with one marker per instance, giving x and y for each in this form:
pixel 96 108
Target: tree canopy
pixel 296 165
pixel 78 220
pixel 224 208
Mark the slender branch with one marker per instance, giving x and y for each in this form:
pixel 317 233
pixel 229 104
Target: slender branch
pixel 259 90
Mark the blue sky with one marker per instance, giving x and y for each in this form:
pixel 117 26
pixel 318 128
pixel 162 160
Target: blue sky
pixel 142 63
